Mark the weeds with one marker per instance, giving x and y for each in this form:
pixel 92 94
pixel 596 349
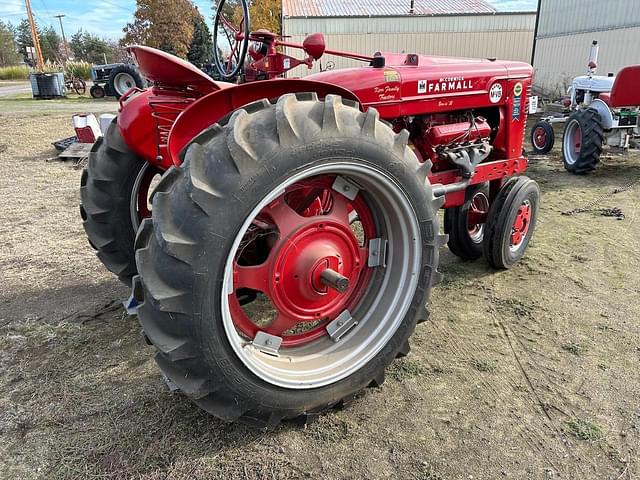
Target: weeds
pixel 405 369
pixel 484 365
pixel 426 472
pixel 21 72
pixel 574 348
pixel 584 429
pixel 18 72
pixel 79 69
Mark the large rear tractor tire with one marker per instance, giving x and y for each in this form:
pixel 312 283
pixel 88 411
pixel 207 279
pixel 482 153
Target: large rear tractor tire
pixel 465 224
pixel 582 141
pixel 320 213
pixel 123 78
pixel 114 192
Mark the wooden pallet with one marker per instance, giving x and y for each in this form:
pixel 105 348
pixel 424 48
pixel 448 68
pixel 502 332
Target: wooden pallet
pixel 76 150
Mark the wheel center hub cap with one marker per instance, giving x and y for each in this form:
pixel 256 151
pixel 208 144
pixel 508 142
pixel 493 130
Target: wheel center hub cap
pixel 297 284
pixel 520 225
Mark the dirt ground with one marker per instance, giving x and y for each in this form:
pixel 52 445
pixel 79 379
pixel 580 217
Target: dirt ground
pixel 531 373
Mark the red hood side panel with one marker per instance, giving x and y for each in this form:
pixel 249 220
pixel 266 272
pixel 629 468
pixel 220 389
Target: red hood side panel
pixel 430 84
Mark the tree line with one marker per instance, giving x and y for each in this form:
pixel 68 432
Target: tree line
pixel 175 26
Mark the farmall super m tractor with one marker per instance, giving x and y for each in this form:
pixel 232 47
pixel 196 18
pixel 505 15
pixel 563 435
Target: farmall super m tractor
pixel 292 241
pixel 602 110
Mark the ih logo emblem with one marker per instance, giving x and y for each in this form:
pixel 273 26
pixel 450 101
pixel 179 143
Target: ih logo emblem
pixel 422 86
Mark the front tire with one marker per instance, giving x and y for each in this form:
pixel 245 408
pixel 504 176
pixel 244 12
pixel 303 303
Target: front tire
pixel 97 91
pixel 582 141
pixel 511 222
pixel 542 137
pixel 114 190
pixel 267 204
pixel 466 236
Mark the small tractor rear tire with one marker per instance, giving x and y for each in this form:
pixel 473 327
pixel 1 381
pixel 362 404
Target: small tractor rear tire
pixel 465 240
pixel 582 141
pixel 236 181
pixel 542 137
pixel 511 222
pixel 107 186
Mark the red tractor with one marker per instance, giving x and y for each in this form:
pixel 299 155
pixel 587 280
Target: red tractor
pixel 294 237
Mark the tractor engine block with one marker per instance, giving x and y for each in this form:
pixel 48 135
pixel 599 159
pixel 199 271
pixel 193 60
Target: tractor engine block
pixel 436 136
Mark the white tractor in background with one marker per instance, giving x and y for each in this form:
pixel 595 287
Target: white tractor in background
pixel 603 110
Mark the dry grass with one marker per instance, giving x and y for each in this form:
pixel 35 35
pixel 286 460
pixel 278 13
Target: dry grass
pixel 80 396
pixel 14 73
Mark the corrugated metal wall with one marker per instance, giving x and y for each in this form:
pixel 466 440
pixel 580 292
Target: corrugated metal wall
pixel 565 33
pixel 506 36
pixel 564 17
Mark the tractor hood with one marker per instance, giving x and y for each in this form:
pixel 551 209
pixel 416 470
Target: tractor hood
pixel 411 78
pixel 597 83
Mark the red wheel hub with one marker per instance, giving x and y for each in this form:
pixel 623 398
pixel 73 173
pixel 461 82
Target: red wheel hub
pixel 477 213
pixel 540 137
pixel 311 223
pixel 577 139
pixel 521 225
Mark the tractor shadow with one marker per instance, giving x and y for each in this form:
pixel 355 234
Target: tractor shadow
pixel 82 396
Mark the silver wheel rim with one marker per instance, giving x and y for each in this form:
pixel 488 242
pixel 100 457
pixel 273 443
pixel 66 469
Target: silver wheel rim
pixel 477 236
pixel 123 82
pixel 568 147
pixel 133 201
pixel 379 314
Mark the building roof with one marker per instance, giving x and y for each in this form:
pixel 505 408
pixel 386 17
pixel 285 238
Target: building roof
pixel 381 8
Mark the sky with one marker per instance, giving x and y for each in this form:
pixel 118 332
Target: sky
pixel 106 18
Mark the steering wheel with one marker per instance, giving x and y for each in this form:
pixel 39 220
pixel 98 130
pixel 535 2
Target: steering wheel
pixel 237 37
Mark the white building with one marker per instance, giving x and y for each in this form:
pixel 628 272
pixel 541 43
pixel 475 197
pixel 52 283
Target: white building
pixel 566 29
pixel 465 28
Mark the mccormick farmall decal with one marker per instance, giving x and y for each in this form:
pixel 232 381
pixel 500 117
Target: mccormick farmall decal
pixel 445 84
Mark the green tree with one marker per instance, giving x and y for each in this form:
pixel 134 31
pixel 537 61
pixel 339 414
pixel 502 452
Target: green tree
pixel 23 39
pixel 8 48
pixel 90 48
pixel 263 14
pixel 50 43
pixel 201 48
pixel 164 24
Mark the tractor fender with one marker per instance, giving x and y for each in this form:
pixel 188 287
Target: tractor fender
pixel 209 109
pixel 605 113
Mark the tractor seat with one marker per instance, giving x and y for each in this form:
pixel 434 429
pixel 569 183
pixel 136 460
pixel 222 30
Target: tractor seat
pixel 625 91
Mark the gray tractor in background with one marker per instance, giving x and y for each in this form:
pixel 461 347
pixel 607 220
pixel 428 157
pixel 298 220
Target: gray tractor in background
pixel 115 79
pixel 602 110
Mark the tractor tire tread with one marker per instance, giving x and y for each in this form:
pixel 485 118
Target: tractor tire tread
pixel 592 141
pixel 106 218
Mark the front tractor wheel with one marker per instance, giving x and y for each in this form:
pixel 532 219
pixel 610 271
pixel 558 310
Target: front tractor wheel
pixel 288 259
pixel 114 191
pixel 542 137
pixel 465 224
pixel 511 222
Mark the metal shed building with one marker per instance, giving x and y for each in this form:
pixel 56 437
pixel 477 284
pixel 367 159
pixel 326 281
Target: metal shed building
pixel 566 29
pixel 466 28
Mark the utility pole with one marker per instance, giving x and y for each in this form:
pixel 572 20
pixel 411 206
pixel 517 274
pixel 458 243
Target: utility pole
pixel 64 39
pixel 34 36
